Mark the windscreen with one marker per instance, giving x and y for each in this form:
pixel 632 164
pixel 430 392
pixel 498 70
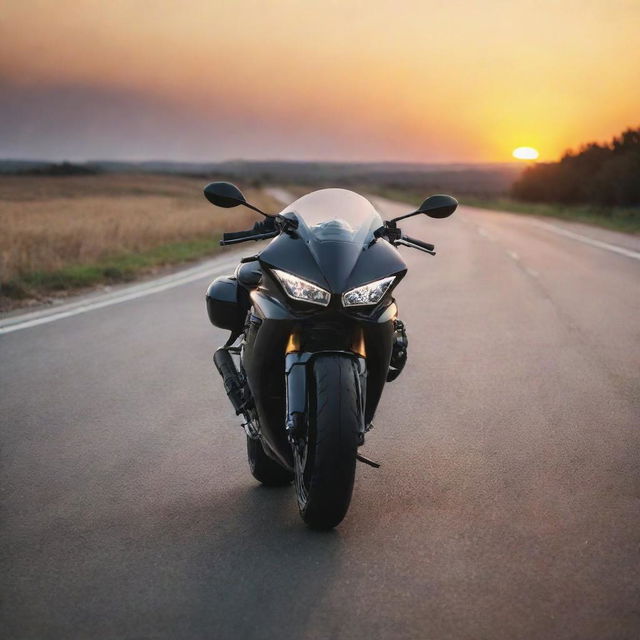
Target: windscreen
pixel 336 215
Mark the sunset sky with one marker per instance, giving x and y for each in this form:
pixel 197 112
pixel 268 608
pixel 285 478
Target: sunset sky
pixel 412 80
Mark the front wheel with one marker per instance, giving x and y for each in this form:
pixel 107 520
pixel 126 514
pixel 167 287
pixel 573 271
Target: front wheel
pixel 325 462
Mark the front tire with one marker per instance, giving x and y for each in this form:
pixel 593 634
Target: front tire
pixel 263 468
pixel 325 464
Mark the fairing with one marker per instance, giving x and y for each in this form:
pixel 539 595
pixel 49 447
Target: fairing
pixel 336 215
pixel 337 253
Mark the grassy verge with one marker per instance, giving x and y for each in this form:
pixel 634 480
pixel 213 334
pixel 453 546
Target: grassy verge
pixel 625 219
pixel 111 270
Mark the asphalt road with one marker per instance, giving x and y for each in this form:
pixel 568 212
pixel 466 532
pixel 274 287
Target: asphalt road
pixel 507 504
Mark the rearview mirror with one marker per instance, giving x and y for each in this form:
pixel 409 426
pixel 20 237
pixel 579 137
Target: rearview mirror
pixel 227 195
pixel 224 194
pixel 438 206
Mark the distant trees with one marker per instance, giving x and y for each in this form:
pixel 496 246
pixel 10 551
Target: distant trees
pixel 60 169
pixel 606 174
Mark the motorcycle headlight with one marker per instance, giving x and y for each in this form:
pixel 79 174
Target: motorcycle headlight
pixel 367 294
pixel 300 289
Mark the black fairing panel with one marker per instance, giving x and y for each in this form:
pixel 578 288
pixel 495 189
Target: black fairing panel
pixel 249 274
pixel 378 261
pixel 293 255
pixel 344 264
pixel 337 259
pixel 379 345
pixel 264 354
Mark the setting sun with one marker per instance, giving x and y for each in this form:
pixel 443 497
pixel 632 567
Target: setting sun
pixel 525 153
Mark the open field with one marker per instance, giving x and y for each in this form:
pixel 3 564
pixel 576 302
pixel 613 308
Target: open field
pixel 61 233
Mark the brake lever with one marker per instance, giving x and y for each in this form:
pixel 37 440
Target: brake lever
pixel 403 241
pixel 390 232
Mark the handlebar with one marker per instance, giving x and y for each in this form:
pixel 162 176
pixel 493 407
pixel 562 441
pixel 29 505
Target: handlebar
pixel 234 237
pixel 257 233
pixel 261 231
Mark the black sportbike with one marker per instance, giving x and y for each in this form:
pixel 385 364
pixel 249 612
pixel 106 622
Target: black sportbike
pixel 314 337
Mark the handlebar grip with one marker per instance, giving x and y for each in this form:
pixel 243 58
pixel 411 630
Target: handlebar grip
pixel 425 245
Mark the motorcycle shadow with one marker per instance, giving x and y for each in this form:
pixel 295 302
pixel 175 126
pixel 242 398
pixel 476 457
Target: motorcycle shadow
pixel 255 564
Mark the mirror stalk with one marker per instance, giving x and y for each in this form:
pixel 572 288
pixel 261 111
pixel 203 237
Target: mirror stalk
pixel 250 206
pixel 406 215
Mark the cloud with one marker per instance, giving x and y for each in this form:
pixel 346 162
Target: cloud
pixel 79 122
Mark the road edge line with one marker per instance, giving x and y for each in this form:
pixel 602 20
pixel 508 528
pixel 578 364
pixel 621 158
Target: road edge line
pixel 26 321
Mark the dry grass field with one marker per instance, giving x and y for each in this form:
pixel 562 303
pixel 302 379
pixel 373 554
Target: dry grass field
pixel 61 233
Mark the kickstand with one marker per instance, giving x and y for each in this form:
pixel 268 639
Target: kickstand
pixel 371 463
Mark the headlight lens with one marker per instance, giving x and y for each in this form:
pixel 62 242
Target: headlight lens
pixel 300 289
pixel 367 294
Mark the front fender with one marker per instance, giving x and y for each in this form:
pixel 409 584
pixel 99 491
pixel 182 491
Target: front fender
pixel 298 368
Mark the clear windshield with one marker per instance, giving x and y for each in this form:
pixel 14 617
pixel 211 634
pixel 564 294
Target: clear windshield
pixel 336 215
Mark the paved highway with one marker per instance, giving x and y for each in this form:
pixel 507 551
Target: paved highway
pixel 507 504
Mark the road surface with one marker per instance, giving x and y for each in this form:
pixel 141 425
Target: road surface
pixel 507 504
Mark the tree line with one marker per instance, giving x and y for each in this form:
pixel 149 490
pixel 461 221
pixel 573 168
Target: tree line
pixel 603 174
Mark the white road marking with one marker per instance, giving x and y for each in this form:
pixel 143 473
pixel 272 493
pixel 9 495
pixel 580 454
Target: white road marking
pixel 25 321
pixel 585 239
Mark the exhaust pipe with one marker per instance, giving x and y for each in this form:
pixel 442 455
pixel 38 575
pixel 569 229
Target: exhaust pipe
pixel 231 379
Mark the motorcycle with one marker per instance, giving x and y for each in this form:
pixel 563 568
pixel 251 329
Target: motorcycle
pixel 315 336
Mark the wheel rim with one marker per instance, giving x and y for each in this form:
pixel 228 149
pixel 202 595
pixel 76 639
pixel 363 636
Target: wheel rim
pixel 252 454
pixel 301 458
